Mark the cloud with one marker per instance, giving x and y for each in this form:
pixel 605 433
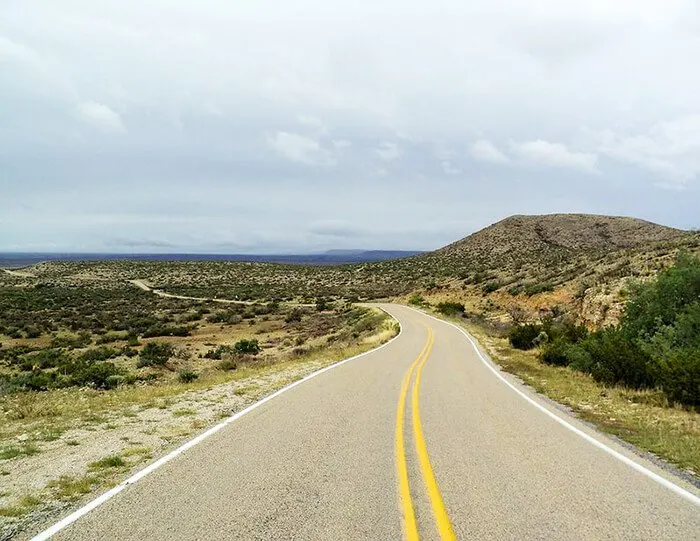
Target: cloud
pixel 541 152
pixel 139 243
pixel 389 152
pixel 314 124
pixel 486 151
pixel 449 169
pixel 101 117
pixel 669 149
pixel 301 149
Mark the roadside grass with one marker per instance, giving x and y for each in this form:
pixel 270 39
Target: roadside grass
pixel 67 488
pixel 184 412
pixel 643 418
pixel 13 451
pixel 48 412
pixel 108 462
pixel 25 505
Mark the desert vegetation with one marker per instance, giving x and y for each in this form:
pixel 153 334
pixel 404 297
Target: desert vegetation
pixel 655 345
pixel 89 360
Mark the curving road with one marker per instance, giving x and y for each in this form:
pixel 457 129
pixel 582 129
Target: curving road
pixel 419 439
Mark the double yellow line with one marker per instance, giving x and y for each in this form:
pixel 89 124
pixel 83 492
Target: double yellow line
pixel 442 519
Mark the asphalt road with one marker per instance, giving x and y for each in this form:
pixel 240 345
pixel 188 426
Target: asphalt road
pixel 326 460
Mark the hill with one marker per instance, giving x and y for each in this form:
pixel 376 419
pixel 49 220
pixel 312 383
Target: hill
pixel 519 240
pixel 575 262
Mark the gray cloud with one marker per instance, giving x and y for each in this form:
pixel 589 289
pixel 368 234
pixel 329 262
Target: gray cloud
pixel 555 155
pixel 215 126
pixel 486 151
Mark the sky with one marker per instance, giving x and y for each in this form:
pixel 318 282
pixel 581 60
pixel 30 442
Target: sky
pixel 291 127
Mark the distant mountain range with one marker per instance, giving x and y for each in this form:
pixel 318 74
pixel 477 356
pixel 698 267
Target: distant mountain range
pixel 330 257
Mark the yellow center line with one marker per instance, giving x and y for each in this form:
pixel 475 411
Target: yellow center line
pixel 409 515
pixel 442 519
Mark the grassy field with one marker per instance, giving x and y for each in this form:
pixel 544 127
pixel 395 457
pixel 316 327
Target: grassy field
pixel 643 418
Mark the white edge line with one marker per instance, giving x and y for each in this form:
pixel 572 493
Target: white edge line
pixel 70 519
pixel 600 445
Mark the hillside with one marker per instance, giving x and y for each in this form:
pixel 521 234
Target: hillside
pixel 574 262
pixel 519 240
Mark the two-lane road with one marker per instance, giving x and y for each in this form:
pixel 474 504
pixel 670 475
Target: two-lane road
pixel 419 439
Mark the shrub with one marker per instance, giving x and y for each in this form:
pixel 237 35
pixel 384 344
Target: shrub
pixel 247 347
pixel 450 308
pixel 614 358
pixel 187 376
pixel 556 353
pixel 97 375
pixel 155 354
pixel 679 376
pixel 166 330
pixel 32 332
pixel 218 352
pixel 294 316
pixel 82 339
pixel 416 300
pixel 524 336
pixel 101 353
pixel 536 288
pixel 490 287
pixel 228 364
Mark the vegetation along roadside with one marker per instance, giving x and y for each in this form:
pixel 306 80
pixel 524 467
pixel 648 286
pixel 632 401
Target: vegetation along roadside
pixel 638 380
pixel 100 389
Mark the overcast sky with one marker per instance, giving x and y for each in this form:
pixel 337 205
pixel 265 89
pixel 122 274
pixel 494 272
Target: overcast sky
pixel 294 126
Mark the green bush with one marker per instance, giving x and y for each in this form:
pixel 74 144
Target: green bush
pixel 614 358
pixel 155 354
pixel 679 376
pixel 450 308
pixel 247 347
pixel 166 330
pixel 416 300
pixel 97 375
pixel 524 336
pixel 556 353
pixel 187 376
pixel 537 288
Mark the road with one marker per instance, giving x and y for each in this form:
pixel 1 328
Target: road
pixel 345 456
pixel 19 274
pixel 144 287
pixel 141 285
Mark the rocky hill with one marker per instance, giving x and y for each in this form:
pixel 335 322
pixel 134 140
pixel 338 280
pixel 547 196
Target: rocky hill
pixel 574 262
pixel 519 240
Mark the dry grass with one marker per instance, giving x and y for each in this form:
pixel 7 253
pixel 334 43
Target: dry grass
pixel 642 418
